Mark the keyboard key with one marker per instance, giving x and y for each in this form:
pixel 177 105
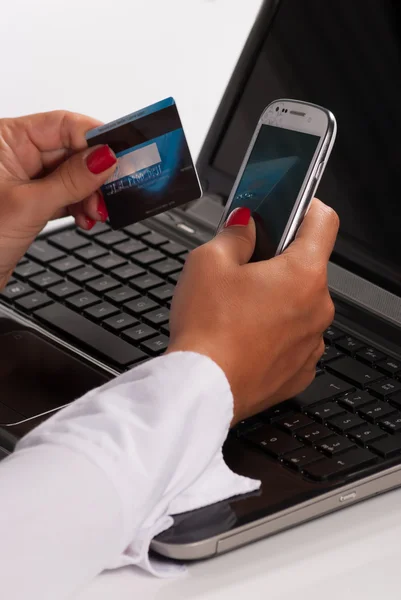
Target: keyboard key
pixel 332 334
pixel 28 269
pixel 85 274
pixel 387 447
pixel 103 284
pixel 91 252
pixel 119 322
pixel 395 400
pixel 174 249
pixel 273 441
pixel 374 413
pixel 322 388
pixel 325 411
pixel 174 277
pixel 148 257
pixel 43 252
pixel 82 300
pixel 146 282
pixel 156 345
pixel 349 345
pixel 136 230
pixel 127 272
pixel 335 444
pixel 247 425
pixel 63 290
pixel 33 301
pixel 158 317
pixel 345 422
pixel 183 257
pixel 385 388
pixel 293 421
pixel 155 239
pixel 68 240
pixel 162 293
pixel 96 230
pixel 313 433
pixel 101 311
pixel 345 463
pixel 166 267
pixel 139 332
pixel 330 353
pixel 366 433
pixel 354 371
pixel 108 346
pixel 302 457
pixel 111 238
pixel 66 264
pixel 108 262
pixel 166 328
pixel 15 290
pixel 274 413
pixel 45 280
pixel 370 355
pixel 130 247
pixel 390 366
pixel 357 400
pixel 140 305
pixel 392 424
pixel 121 295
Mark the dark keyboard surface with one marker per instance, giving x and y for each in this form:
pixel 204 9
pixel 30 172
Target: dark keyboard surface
pixel 109 292
pixel 347 420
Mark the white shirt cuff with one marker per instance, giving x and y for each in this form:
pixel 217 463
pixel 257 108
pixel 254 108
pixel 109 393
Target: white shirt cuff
pixel 156 432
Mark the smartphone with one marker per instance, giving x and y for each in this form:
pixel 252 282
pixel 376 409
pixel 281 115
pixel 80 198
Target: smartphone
pixel 281 171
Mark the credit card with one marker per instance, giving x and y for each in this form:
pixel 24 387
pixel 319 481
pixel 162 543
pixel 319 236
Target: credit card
pixel 155 171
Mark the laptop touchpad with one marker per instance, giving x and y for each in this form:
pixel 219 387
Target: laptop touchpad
pixel 37 376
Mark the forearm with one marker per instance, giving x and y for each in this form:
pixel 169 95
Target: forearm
pixel 126 451
pixel 60 523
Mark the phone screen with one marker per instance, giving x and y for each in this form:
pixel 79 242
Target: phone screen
pixel 271 182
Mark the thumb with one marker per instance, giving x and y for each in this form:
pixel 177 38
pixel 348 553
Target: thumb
pixel 237 238
pixel 76 178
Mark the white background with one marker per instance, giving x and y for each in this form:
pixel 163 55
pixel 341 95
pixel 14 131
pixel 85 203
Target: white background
pixel 107 59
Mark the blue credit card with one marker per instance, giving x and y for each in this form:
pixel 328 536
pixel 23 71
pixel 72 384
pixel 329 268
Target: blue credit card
pixel 155 171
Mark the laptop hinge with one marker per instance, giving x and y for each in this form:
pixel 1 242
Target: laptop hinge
pixel 207 210
pixel 365 295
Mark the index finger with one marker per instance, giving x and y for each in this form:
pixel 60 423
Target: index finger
pixel 318 232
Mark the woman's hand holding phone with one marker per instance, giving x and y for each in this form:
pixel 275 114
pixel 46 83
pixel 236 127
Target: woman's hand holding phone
pixel 262 323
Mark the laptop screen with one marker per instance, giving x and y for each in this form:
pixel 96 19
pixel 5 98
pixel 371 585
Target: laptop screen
pixel 345 56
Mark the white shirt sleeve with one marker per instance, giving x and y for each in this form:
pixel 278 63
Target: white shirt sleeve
pixel 89 488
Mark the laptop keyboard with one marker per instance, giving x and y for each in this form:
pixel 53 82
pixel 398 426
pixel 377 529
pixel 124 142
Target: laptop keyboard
pixel 109 292
pixel 347 420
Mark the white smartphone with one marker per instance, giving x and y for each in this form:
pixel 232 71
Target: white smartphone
pixel 281 171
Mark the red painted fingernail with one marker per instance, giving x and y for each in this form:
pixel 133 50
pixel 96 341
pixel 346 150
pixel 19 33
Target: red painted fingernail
pixel 239 217
pixel 100 160
pixel 101 208
pixel 89 222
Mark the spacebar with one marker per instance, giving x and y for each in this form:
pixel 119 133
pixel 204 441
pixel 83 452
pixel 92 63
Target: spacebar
pixel 110 347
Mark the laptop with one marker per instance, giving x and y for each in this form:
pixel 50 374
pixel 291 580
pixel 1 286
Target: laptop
pixel 84 306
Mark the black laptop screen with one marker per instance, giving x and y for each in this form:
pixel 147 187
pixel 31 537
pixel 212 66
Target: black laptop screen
pixel 345 56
